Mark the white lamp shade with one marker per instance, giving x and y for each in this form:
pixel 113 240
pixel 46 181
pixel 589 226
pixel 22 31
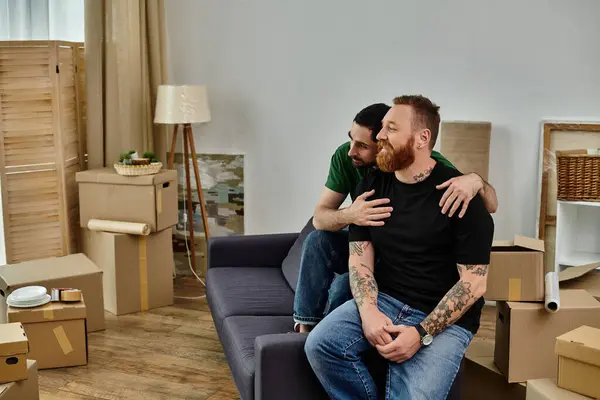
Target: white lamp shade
pixel 185 104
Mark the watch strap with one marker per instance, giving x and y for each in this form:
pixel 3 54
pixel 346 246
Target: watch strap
pixel 421 330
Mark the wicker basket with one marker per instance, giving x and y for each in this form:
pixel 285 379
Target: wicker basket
pixel 138 170
pixel 578 176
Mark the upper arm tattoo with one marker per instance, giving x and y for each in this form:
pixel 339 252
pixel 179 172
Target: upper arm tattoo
pixel 358 248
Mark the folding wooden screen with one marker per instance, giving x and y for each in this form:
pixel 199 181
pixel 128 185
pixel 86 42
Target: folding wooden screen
pixel 41 147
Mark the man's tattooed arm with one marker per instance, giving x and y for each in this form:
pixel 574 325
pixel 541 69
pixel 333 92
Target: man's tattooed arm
pixel 469 288
pixel 362 281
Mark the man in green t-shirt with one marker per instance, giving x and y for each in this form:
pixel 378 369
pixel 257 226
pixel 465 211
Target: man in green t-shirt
pixel 323 281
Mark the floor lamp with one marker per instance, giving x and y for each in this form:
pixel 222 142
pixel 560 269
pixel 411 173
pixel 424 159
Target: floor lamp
pixel 185 105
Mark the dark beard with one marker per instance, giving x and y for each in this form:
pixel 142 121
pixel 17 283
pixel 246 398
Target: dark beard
pixel 394 160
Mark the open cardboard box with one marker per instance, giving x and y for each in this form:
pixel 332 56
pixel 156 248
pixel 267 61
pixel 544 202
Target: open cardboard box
pixel 516 271
pixel 585 277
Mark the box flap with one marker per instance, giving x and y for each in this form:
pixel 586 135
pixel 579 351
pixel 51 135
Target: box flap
pixel 576 272
pixel 13 340
pixel 55 311
pixel 520 241
pixel 110 176
pixel 581 344
pixel 45 269
pixel 569 299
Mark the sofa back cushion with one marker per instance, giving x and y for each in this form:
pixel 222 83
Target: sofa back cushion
pixel 291 263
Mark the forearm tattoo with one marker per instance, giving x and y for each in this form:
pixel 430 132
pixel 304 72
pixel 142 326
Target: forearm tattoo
pixel 457 301
pixel 477 269
pixel 363 285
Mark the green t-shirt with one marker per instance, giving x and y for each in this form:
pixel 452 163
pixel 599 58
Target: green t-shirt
pixel 344 176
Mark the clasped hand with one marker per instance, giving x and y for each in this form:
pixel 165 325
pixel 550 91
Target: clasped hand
pixel 396 343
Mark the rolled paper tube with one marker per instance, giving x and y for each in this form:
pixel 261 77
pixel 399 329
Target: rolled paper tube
pixel 132 228
pixel 551 296
pixel 70 295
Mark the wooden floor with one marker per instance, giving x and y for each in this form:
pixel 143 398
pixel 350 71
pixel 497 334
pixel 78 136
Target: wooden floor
pixel 167 353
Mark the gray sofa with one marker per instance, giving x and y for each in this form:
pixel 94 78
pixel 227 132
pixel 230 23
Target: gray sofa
pixel 250 291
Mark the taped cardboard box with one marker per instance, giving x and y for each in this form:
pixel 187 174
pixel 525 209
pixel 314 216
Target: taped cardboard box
pixel 149 199
pixel 137 270
pixel 579 361
pixel 14 347
pixel 585 277
pixel 526 333
pixel 72 271
pixel 56 331
pixel 481 379
pixel 23 390
pixel 516 271
pixel 546 389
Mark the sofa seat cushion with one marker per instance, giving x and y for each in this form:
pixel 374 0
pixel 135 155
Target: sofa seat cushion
pixel 238 335
pixel 248 291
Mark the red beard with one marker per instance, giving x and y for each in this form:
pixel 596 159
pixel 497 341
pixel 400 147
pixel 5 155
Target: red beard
pixel 392 160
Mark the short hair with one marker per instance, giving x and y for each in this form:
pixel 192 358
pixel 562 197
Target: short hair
pixel 427 113
pixel 372 117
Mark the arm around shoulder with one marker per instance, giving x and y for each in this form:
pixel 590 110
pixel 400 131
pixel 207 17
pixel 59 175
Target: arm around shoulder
pixel 328 215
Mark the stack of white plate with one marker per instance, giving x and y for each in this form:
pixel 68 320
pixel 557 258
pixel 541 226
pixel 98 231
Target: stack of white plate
pixel 28 296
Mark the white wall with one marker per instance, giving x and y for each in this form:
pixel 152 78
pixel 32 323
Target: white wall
pixel 286 78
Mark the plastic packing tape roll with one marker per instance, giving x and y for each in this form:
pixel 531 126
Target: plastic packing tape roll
pixel 551 292
pixel 69 295
pixel 132 228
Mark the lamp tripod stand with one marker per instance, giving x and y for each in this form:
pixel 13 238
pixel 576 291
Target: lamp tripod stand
pixel 189 147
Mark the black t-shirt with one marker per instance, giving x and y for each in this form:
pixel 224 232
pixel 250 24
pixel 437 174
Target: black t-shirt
pixel 418 248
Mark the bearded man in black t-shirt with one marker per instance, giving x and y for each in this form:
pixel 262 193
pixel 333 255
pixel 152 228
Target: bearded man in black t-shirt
pixel 420 304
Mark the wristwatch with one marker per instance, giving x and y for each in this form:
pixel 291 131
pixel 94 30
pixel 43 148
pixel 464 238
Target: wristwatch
pixel 426 338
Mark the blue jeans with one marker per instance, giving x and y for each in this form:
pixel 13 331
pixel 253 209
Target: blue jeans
pixel 334 349
pixel 323 282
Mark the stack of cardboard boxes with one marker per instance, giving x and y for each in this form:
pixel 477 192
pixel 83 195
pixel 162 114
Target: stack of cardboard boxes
pixel 137 269
pixel 120 273
pixel 526 334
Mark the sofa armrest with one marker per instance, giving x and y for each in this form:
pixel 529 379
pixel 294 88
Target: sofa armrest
pixel 249 250
pixel 282 370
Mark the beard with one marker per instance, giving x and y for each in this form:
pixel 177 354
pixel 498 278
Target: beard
pixel 391 160
pixel 360 163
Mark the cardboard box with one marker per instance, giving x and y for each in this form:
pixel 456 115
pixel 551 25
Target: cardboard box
pixel 137 270
pixel 526 333
pixel 150 199
pixel 579 361
pixel 72 271
pixel 56 331
pixel 23 390
pixel 585 277
pixel 481 379
pixel 546 389
pixel 14 347
pixel 516 271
